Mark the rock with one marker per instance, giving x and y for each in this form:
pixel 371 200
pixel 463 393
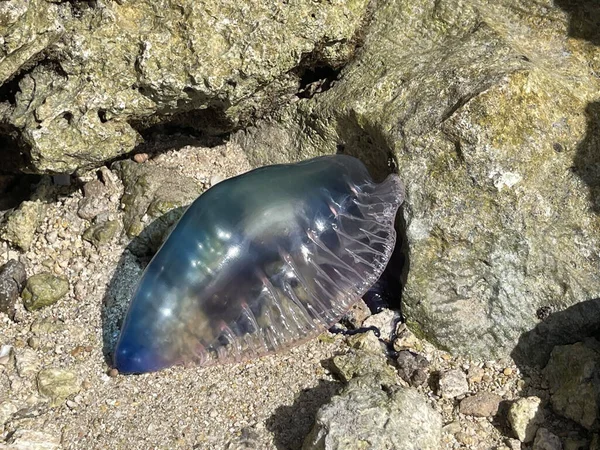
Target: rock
pixel 7 409
pixel 126 67
pixel 573 374
pixel 103 233
pixel 492 207
pixel 545 440
pixel 22 224
pixel 384 321
pixel 57 384
pixel 482 404
pixel 525 416
pixel 7 355
pixel 453 383
pixel 358 363
pixel 405 339
pixel 366 341
pixel 398 418
pixel 357 314
pixel 95 200
pixel 412 367
pixel 154 192
pixel 27 362
pixel 12 277
pixel 44 289
pixel 32 440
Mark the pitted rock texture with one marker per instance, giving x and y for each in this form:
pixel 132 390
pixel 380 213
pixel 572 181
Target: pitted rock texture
pixel 109 70
pixel 489 114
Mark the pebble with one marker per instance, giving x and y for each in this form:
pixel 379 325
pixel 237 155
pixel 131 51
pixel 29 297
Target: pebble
pixel 405 339
pixel 43 290
pixel 412 367
pixel 545 440
pixel 57 384
pixel 12 277
pixel 453 383
pixel 525 416
pixel 384 321
pixel 482 404
pixel 113 372
pixel 27 362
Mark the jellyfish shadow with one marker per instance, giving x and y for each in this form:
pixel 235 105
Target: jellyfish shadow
pixel 571 325
pixel 291 424
pixel 120 289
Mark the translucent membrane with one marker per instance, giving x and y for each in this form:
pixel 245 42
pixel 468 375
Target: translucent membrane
pixel 261 262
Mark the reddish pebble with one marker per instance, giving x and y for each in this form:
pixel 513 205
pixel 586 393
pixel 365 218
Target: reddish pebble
pixel 140 157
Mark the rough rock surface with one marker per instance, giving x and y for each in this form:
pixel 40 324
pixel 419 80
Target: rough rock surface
pixel 489 114
pixel 573 374
pixel 112 69
pixel 12 277
pixel 366 416
pixel 525 416
pixel 44 289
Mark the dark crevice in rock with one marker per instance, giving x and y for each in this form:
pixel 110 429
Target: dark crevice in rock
pixel 314 80
pixel 15 189
pixel 208 127
pixel 15 152
pixel 9 90
pixel 369 145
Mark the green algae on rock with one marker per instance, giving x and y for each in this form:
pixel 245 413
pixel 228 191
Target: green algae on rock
pixel 485 110
pixel 121 67
pixel 43 289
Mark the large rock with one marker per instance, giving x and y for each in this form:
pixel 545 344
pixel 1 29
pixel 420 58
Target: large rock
pixel 365 416
pixel 573 374
pixel 122 67
pixel 488 112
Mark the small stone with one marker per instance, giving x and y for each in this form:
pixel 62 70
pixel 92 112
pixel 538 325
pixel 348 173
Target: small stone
pixel 7 355
pixel 453 383
pixel 507 371
pixel 513 444
pixel 545 440
pixel 475 375
pixel 482 404
pixel 7 409
pixel 452 427
pixel 33 440
pixel 102 234
pixel 94 201
pixel 113 372
pixel 12 277
pixel 44 289
pixel 360 362
pixel 34 342
pixel 466 439
pixel 140 157
pixel 21 225
pixel 27 362
pixel 405 339
pixel 412 367
pixel 57 384
pixel 357 314
pixel 384 321
pixel 525 416
pixel 366 341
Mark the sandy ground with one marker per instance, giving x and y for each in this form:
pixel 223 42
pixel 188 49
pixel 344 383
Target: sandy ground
pixel 266 403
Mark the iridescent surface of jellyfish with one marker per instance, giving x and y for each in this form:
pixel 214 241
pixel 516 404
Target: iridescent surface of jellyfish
pixel 261 262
